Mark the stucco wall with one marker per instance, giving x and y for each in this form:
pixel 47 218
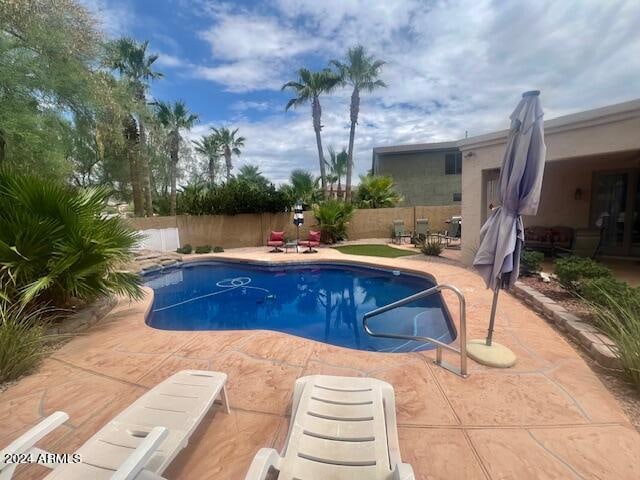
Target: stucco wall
pixel 420 177
pixel 574 152
pixel 251 230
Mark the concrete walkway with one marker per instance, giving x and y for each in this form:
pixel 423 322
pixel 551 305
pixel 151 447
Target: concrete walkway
pixel 548 417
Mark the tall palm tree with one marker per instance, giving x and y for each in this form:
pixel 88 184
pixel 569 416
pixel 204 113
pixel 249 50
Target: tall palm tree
pixel 308 88
pixel 131 60
pixel 360 71
pixel 209 147
pixel 174 117
pixel 251 174
pixel 338 165
pixel 230 145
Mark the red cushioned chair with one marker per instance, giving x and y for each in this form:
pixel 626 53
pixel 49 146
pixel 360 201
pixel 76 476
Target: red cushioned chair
pixel 313 241
pixel 276 240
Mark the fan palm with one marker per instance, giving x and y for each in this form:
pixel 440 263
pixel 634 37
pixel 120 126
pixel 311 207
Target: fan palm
pixel 361 72
pixel 251 174
pixel 338 165
pixel 376 191
pixel 131 60
pixel 230 145
pixel 55 246
pixel 209 147
pixel 174 117
pixel 308 88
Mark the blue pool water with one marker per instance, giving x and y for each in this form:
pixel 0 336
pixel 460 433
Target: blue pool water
pixel 323 302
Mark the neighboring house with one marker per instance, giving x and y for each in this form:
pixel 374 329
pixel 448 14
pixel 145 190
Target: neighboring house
pixel 425 174
pixel 592 172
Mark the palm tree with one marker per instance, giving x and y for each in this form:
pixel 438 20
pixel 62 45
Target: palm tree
pixel 338 165
pixel 377 191
pixel 131 60
pixel 174 117
pixel 361 72
pixel 230 145
pixel 209 147
pixel 309 86
pixel 304 186
pixel 251 174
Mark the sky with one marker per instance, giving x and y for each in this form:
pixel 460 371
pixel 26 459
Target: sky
pixel 453 67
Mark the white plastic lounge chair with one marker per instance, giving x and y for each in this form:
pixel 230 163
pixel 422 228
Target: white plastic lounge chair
pixel 142 440
pixel 342 428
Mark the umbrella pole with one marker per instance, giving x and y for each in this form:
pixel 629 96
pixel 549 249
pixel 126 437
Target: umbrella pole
pixel 492 320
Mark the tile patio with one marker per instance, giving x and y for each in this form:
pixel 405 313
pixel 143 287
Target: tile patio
pixel 548 417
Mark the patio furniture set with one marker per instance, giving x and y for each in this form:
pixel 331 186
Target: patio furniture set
pixel 277 241
pixel 341 428
pixel 563 241
pixel 421 234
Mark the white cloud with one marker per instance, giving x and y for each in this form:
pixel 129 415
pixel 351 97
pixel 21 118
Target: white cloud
pixel 170 61
pixel 115 19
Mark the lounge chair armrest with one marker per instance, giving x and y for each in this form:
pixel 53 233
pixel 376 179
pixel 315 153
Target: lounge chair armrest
pixel 136 461
pixel 27 440
pixel 403 471
pixel 147 475
pixel 262 462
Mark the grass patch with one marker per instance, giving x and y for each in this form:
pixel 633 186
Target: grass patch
pixel 375 251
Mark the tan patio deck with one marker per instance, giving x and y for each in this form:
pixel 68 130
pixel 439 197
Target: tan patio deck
pixel 548 417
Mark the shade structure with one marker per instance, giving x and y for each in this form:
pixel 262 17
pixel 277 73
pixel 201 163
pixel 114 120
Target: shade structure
pixel 502 236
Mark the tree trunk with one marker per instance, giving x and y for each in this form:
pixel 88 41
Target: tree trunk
pixel 339 193
pixel 175 148
pixel 212 170
pixel 227 160
pixel 316 114
pixel 355 107
pixel 131 135
pixel 144 170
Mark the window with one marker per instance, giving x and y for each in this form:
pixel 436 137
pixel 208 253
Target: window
pixel 453 163
pixel 457 197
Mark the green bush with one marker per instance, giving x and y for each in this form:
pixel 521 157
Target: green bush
pixel 22 340
pixel 620 320
pixel 203 249
pixel 55 246
pixel 571 270
pixel 432 248
pixel 602 291
pixel 333 217
pixel 231 198
pixel 377 191
pixel 218 249
pixel 530 262
pixel 186 249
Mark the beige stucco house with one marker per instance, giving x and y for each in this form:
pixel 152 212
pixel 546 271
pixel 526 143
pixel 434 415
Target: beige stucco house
pixel 592 168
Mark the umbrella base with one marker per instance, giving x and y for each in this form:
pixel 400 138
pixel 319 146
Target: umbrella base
pixel 496 355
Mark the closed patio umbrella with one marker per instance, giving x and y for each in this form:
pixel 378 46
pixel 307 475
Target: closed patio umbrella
pixel 502 235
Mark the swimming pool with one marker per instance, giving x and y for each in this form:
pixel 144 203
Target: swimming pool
pixel 323 302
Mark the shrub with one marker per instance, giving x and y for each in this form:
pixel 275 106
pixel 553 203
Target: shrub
pixel 377 191
pixel 333 217
pixel 186 249
pixel 231 198
pixel 602 291
pixel 203 249
pixel 571 270
pixel 55 245
pixel 22 340
pixel 218 249
pixel 530 262
pixel 432 248
pixel 620 320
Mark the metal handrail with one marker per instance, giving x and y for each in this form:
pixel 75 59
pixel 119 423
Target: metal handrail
pixel 462 351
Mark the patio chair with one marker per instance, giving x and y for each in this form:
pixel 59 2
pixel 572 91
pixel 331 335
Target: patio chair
pixel 399 232
pixel 312 242
pixel 452 234
pixel 141 441
pixel 586 243
pixel 342 428
pixel 276 240
pixel 422 230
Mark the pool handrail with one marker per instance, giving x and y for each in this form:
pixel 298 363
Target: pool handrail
pixel 462 350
